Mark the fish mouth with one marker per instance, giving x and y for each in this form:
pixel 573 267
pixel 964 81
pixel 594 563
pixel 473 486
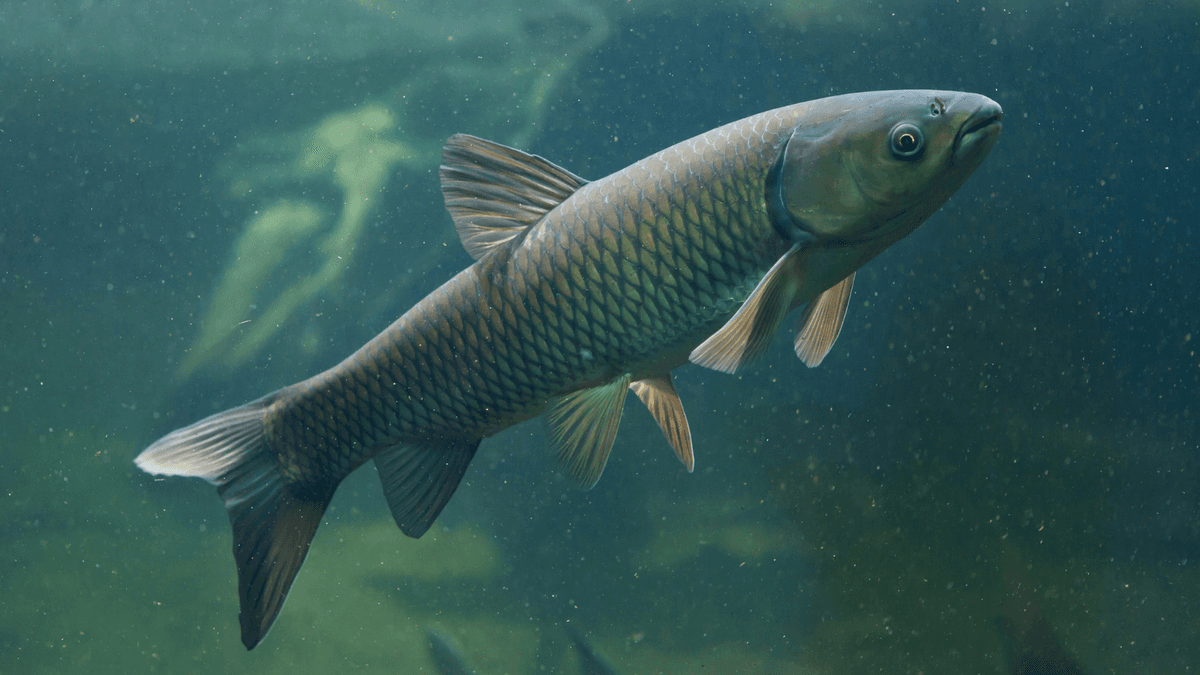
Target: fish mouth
pixel 979 132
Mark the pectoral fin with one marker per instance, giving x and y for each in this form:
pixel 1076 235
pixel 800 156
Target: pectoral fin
pixel 494 192
pixel 418 480
pixel 745 337
pixel 583 426
pixel 821 323
pixel 659 396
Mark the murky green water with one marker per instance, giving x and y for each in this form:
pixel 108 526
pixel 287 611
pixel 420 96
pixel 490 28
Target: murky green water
pixel 202 205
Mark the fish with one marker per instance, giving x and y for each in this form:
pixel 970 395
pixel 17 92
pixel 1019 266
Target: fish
pixel 446 656
pixel 580 292
pixel 1035 650
pixel 590 663
pixel 449 658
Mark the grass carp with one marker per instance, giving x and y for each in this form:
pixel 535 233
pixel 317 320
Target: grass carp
pixel 581 292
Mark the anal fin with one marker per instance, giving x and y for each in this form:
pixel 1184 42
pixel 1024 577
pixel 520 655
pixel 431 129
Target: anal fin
pixel 419 479
pixel 821 323
pixel 746 336
pixel 660 398
pixel 583 426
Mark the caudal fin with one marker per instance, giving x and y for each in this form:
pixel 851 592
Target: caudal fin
pixel 273 522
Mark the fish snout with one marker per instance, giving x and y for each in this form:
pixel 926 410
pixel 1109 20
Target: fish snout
pixel 980 130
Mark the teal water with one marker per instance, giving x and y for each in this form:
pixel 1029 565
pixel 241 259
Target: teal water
pixel 200 206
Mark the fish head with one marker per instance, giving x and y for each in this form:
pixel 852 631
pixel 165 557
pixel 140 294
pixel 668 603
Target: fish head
pixel 870 168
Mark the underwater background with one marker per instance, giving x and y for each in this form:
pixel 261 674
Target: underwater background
pixel 203 204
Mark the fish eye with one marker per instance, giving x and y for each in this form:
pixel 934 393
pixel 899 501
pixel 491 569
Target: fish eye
pixel 907 141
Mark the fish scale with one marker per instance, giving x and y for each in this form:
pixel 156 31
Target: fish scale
pixel 580 293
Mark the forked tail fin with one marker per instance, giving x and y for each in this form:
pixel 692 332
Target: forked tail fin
pixel 273 522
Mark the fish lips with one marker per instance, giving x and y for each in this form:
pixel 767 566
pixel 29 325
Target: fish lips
pixel 979 133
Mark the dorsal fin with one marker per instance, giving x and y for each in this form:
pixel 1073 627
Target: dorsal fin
pixel 495 192
pixel 821 323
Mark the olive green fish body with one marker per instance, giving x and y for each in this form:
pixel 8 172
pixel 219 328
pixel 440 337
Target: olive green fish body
pixel 628 274
pixel 582 292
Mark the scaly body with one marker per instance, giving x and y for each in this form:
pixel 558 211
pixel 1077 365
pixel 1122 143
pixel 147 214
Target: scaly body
pixel 628 274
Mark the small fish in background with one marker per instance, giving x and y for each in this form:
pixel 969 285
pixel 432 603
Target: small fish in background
pixel 590 663
pixel 1035 651
pixel 581 292
pixel 449 658
pixel 446 655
